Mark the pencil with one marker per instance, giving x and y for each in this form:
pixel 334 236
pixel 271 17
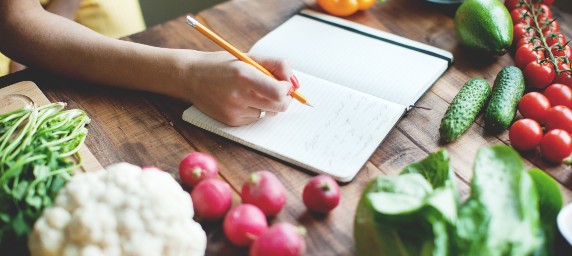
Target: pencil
pixel 238 54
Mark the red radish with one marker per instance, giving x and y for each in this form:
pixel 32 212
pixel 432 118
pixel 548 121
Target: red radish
pixel 265 191
pixel 196 167
pixel 321 194
pixel 212 198
pixel 282 239
pixel 243 224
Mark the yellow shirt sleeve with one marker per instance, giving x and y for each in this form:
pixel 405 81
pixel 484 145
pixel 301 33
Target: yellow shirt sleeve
pixel 112 18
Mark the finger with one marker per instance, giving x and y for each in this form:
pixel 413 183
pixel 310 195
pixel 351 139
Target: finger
pixel 260 102
pixel 278 67
pixel 268 87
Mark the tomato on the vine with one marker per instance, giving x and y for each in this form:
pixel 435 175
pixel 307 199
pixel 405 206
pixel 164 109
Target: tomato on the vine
pixel 556 145
pixel 521 31
pixel 559 38
pixel 345 7
pixel 521 15
pixel 564 52
pixel 526 54
pixel 525 134
pixel 553 26
pixel 534 105
pixel 545 12
pixel 511 4
pixel 559 94
pixel 564 77
pixel 559 117
pixel 539 75
pixel 523 41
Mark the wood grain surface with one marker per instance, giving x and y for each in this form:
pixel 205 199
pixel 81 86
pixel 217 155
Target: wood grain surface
pixel 147 129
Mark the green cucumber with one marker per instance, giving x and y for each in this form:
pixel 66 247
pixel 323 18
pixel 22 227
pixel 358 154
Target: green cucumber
pixel 507 92
pixel 464 109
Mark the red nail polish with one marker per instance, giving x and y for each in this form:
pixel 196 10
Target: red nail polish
pixel 291 90
pixel 294 81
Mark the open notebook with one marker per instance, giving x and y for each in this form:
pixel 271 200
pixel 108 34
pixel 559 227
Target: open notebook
pixel 360 80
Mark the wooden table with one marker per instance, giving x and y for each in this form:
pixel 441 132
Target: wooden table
pixel 147 129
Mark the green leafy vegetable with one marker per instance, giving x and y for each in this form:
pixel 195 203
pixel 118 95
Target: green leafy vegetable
pixel 37 146
pixel 407 215
pixel 501 215
pixel 418 212
pixel 550 202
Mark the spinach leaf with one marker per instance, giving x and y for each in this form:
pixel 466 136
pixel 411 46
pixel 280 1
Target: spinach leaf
pixel 501 215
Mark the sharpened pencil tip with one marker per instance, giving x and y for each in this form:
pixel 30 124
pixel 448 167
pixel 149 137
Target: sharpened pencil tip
pixel 308 104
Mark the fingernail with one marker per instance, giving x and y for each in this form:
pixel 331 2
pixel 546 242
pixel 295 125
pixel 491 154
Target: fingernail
pixel 295 82
pixel 291 90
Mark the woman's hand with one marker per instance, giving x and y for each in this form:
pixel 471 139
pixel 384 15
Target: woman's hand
pixel 234 92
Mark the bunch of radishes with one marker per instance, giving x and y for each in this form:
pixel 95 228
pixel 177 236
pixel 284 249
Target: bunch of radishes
pixel 263 196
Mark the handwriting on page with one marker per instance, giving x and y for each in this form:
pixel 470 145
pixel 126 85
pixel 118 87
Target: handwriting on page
pixel 341 135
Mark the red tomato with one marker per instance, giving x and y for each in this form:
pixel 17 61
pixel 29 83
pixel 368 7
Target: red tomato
pixel 534 105
pixel 511 4
pixel 526 54
pixel 553 27
pixel 545 12
pixel 559 94
pixel 522 31
pixel 539 75
pixel 525 134
pixel 556 145
pixel 197 166
pixel 555 39
pixel 559 117
pixel 564 77
pixel 522 42
pixel 521 15
pixel 557 52
pixel 243 224
pixel 321 194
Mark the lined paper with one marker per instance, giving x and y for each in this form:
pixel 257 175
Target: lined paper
pixel 337 136
pixel 369 65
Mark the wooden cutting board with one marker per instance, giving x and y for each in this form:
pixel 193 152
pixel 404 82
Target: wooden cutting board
pixel 32 91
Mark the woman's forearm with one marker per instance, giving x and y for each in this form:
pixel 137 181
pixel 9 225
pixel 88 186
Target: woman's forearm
pixel 39 38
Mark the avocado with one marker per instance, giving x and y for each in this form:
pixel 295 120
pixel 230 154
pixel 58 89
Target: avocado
pixel 484 25
pixel 464 109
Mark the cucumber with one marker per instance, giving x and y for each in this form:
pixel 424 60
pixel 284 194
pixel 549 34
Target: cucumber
pixel 464 109
pixel 507 92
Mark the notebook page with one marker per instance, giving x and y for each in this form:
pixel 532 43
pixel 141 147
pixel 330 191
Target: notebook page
pixel 366 64
pixel 336 137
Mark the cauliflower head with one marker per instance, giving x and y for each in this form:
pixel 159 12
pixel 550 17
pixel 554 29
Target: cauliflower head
pixel 121 211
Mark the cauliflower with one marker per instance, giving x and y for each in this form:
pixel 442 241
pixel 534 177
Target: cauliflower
pixel 121 211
